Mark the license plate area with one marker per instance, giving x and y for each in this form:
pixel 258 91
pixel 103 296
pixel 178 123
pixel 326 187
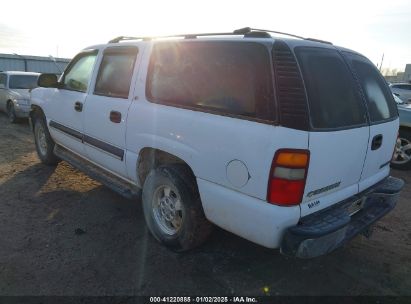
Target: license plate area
pixel 355 207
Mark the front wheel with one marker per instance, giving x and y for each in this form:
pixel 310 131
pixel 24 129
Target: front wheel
pixel 44 143
pixel 402 153
pixel 172 208
pixel 11 113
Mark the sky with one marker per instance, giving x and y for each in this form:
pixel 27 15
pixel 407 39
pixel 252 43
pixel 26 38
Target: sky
pixel 63 28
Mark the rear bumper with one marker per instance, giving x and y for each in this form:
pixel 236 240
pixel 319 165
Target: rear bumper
pixel 326 230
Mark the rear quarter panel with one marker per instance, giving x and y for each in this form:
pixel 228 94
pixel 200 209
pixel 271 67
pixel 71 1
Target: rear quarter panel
pixel 206 142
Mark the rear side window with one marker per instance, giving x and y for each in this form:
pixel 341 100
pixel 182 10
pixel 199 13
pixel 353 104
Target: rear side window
pixel 333 96
pixel 381 105
pixel 116 70
pixel 225 77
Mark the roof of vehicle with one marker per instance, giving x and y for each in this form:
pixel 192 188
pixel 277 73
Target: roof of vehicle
pixel 244 34
pixel 20 73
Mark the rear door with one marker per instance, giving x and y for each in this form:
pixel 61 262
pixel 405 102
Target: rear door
pixel 107 107
pixel 339 133
pixel 383 116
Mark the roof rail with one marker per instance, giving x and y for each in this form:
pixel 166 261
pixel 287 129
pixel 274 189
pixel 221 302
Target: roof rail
pixel 245 31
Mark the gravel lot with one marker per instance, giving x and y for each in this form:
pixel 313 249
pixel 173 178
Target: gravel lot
pixel 65 234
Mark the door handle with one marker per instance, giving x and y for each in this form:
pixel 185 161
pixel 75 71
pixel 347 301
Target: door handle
pixel 78 106
pixel 376 142
pixel 115 116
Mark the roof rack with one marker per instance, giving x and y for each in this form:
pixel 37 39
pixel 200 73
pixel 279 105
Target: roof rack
pixel 245 31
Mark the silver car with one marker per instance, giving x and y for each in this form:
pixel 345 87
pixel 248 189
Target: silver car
pixel 402 153
pixel 14 93
pixel 402 91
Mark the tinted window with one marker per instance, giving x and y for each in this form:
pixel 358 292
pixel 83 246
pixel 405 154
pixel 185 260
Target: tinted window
pixel 116 70
pixel 381 105
pixel 3 79
pixel 333 97
pixel 22 81
pixel 401 86
pixel 79 72
pixel 227 77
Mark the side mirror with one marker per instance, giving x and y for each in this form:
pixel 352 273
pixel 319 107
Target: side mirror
pixel 47 81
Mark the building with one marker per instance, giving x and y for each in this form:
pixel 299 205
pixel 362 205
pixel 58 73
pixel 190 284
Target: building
pixel 407 73
pixel 15 62
pixel 400 76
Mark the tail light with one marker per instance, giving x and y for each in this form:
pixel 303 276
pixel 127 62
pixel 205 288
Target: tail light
pixel 287 177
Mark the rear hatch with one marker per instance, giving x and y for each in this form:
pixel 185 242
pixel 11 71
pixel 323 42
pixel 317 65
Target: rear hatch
pixel 353 125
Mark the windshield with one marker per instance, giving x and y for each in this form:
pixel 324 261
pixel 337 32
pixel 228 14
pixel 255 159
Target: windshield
pixel 23 81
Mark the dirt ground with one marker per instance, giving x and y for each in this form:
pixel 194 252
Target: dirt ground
pixel 62 233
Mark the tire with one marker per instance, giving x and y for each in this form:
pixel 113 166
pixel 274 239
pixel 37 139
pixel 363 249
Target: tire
pixel 173 209
pixel 402 154
pixel 11 113
pixel 44 142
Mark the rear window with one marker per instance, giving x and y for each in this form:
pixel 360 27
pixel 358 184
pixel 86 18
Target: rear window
pixel 381 105
pixel 223 77
pixel 333 96
pixel 23 81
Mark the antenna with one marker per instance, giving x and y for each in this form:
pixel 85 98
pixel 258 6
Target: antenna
pixel 55 62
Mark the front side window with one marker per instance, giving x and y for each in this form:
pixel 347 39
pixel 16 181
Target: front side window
pixel 333 96
pixel 381 105
pixel 79 72
pixel 116 70
pixel 3 80
pixel 23 81
pixel 227 77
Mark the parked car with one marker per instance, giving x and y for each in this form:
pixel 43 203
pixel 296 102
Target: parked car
pixel 272 139
pixel 402 154
pixel 14 93
pixel 402 90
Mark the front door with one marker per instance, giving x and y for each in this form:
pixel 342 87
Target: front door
pixel 65 116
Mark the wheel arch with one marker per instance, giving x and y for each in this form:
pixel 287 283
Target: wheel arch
pixel 35 111
pixel 150 158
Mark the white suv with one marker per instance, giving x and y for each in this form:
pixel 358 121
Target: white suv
pixel 284 142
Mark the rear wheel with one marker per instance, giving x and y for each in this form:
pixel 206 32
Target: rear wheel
pixel 402 154
pixel 44 142
pixel 172 208
pixel 11 113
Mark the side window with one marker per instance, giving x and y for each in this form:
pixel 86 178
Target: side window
pixel 228 78
pixel 3 78
pixel 116 71
pixel 381 105
pixel 78 75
